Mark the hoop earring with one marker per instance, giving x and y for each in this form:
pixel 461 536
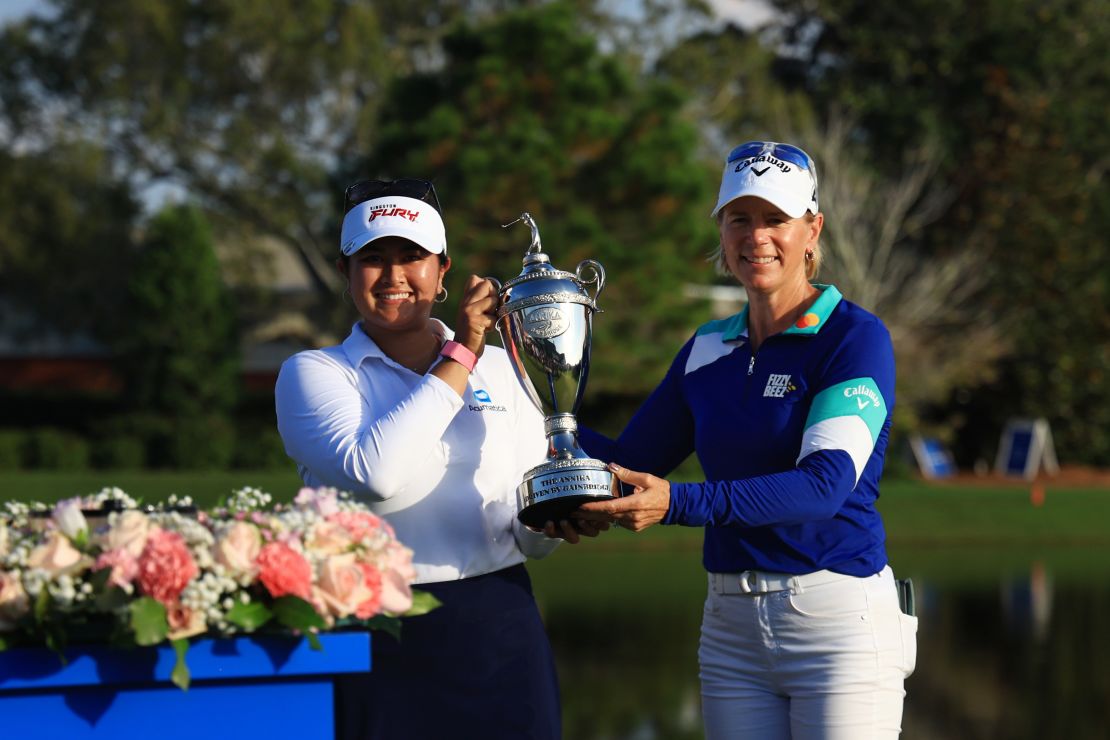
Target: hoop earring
pixel 809 256
pixel 437 299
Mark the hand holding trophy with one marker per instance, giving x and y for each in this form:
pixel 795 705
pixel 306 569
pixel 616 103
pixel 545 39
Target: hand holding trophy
pixel 545 322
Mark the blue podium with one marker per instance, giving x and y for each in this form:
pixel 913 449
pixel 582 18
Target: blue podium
pixel 263 687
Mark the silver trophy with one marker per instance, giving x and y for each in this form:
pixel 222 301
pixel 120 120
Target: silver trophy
pixel 545 321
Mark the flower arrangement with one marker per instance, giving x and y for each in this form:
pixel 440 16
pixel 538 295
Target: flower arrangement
pixel 102 569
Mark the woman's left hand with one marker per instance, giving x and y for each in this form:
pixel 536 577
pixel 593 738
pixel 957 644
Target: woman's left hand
pixel 572 530
pixel 647 505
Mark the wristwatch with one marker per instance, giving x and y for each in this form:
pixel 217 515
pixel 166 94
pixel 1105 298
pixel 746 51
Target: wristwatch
pixel 459 354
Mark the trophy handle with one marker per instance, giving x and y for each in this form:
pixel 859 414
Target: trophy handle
pixel 496 283
pixel 598 278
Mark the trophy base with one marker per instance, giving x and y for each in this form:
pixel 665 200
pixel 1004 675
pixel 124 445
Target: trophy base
pixel 552 490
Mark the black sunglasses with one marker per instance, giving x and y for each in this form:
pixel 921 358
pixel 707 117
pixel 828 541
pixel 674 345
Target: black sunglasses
pixel 405 187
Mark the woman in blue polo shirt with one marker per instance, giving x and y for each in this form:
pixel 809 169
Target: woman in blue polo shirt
pixel 431 428
pixel 788 406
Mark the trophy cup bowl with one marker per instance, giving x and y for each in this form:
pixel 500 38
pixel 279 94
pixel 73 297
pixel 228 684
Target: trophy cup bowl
pixel 545 322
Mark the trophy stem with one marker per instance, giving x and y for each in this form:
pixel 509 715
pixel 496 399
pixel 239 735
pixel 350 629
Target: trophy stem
pixel 562 437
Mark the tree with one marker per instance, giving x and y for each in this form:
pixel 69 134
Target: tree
pixel 180 351
pixel 66 246
pixel 248 107
pixel 737 88
pixel 527 114
pixel 872 251
pixel 244 105
pixel 1013 92
pixel 876 214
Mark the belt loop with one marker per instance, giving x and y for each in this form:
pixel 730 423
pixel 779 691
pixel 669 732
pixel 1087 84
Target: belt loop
pixel 796 586
pixel 745 582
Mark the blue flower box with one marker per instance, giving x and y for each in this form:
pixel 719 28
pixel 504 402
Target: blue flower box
pixel 271 687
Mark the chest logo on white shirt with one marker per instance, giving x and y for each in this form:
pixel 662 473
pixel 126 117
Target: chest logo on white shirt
pixel 777 386
pixel 485 402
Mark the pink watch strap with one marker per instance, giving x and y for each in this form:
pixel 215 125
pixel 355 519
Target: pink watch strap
pixel 460 354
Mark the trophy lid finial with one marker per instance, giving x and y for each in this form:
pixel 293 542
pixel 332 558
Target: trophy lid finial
pixel 534 248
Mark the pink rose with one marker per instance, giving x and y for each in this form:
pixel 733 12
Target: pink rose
pixel 165 566
pixel 238 547
pixel 128 531
pixel 184 622
pixel 324 501
pixel 360 524
pixel 283 570
pixel 398 574
pixel 14 603
pixel 372 578
pixel 57 555
pixel 125 568
pixel 329 538
pixel 348 587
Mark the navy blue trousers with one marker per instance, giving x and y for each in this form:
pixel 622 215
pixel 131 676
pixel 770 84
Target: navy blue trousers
pixel 480 666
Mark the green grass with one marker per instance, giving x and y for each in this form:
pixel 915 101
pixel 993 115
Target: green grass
pixel 940 532
pixel 206 488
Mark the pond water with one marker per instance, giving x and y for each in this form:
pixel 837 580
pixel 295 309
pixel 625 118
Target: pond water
pixel 1024 654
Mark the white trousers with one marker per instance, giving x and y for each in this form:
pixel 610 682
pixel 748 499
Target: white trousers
pixel 820 656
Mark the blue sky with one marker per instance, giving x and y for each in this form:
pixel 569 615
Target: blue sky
pixel 15 8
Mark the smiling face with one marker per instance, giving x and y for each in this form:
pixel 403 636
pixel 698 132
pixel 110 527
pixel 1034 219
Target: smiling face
pixel 393 283
pixel 763 247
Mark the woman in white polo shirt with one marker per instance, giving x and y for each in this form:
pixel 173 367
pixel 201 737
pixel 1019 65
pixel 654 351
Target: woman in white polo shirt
pixel 431 428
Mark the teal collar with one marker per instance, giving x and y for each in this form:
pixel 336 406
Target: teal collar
pixel 811 322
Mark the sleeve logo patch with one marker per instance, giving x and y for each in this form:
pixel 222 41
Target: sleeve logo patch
pixel 777 386
pixel 863 396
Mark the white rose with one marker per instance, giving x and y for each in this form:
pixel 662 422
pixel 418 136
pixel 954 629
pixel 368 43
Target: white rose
pixel 69 519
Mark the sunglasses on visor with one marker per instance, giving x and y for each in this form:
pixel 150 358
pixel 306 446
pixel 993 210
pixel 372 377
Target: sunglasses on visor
pixel 785 152
pixel 405 187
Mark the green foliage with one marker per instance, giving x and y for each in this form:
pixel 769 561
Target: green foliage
pixel 527 115
pixel 249 106
pixel 13 445
pixel 180 676
pixel 148 621
pixel 119 452
pixel 53 449
pixel 297 614
pixel 67 241
pixel 1011 90
pixel 249 616
pixel 739 92
pixel 179 354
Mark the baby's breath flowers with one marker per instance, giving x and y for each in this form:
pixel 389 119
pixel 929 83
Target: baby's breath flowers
pixel 170 572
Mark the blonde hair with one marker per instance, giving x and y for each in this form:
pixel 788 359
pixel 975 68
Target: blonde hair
pixel 813 266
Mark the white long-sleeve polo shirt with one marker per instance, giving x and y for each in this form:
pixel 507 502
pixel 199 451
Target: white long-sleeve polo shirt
pixel 441 469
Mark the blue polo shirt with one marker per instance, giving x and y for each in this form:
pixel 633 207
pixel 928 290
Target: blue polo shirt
pixel 791 440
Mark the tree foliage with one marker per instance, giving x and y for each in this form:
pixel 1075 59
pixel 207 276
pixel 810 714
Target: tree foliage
pixel 527 114
pixel 180 351
pixel 593 115
pixel 1010 90
pixel 67 244
pixel 244 105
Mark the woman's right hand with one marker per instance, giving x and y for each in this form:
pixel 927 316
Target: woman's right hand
pixel 477 313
